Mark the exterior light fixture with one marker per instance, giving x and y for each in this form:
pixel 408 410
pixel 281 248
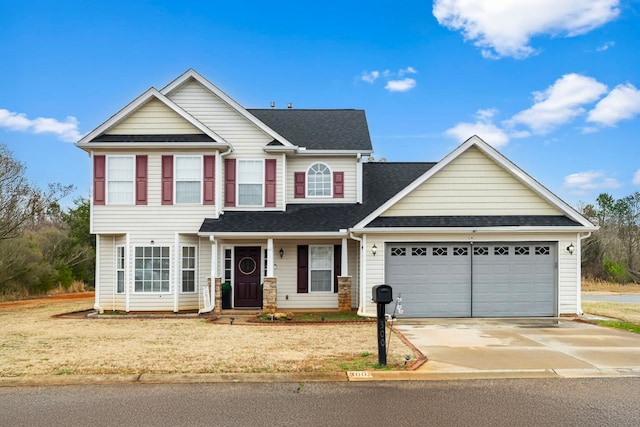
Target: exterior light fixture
pixel 571 249
pixel 281 252
pixel 374 249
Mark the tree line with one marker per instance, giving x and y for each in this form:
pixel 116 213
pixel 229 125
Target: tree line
pixel 613 252
pixel 42 246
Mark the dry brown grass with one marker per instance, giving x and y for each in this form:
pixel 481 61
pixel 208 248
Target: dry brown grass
pixel 589 285
pixel 34 343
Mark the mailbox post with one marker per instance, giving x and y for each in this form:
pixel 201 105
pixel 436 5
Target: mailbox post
pixel 382 295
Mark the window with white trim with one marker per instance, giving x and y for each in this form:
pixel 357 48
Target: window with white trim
pixel 188 178
pixel 152 268
pixel 320 268
pixel 188 269
pixel 250 182
pixel 228 265
pixel 119 269
pixel 120 180
pixel 319 180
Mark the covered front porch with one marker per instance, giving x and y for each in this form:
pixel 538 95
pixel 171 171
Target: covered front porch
pixel 290 271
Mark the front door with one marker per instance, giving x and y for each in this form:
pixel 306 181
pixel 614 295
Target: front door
pixel 247 291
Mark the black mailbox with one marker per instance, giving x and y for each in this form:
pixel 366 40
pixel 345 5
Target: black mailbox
pixel 382 294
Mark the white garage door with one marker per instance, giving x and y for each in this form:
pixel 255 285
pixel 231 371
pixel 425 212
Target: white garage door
pixel 479 280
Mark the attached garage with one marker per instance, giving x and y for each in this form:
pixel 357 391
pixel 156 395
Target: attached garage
pixel 493 279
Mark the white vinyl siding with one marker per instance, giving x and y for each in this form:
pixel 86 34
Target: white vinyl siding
pixel 120 180
pixel 346 164
pixel 319 181
pixel 209 109
pixel 153 118
pixel 188 264
pixel 250 177
pixel 320 268
pixel 188 179
pixel 472 184
pixel 152 269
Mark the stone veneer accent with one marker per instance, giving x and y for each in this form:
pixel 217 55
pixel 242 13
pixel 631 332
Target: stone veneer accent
pixel 217 309
pixel 344 293
pixel 270 295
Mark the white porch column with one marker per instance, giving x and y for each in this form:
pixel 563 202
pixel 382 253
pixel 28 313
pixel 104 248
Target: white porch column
pixel 214 267
pixel 344 262
pixel 177 282
pixel 131 276
pixel 269 257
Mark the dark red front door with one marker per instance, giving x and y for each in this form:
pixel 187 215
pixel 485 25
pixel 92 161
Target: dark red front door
pixel 247 277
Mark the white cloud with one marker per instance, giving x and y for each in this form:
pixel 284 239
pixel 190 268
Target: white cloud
pixel 636 177
pixel 395 80
pixel 590 180
pixel 483 127
pixel 605 46
pixel 65 131
pixel 504 28
pixel 622 103
pixel 400 85
pixel 560 103
pixel 370 77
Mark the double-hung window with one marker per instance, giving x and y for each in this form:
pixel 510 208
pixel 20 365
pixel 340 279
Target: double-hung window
pixel 188 179
pixel 120 179
pixel 319 181
pixel 120 269
pixel 188 269
pixel 152 268
pixel 250 182
pixel 320 268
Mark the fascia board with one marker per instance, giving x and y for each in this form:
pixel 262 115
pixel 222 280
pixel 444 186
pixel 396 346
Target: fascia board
pixel 304 152
pixel 137 103
pixel 282 235
pixel 469 230
pixel 150 145
pixel 193 74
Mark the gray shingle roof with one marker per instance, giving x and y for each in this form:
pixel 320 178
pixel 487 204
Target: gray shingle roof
pixel 154 138
pixel 381 182
pixel 475 221
pixel 319 129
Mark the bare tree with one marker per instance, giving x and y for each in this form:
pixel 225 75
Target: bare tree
pixel 20 202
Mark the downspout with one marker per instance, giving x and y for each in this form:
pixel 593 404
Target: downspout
pixel 581 237
pixel 220 181
pixel 361 305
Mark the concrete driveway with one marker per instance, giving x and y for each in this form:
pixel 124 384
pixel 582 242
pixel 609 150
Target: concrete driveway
pixel 564 346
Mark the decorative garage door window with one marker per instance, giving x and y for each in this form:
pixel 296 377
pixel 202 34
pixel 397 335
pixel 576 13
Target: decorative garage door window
pixel 418 251
pixel 522 250
pixel 481 251
pixel 501 250
pixel 463 251
pixel 398 251
pixel 543 250
pixel 440 251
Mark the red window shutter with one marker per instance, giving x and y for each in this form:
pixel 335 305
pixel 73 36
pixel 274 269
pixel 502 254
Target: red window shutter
pixel 167 180
pixel 303 269
pixel 337 265
pixel 270 183
pixel 230 182
pixel 208 180
pixel 99 172
pixel 338 185
pixel 141 180
pixel 299 184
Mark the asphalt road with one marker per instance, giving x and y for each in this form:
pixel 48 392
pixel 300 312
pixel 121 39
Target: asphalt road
pixel 539 402
pixel 623 298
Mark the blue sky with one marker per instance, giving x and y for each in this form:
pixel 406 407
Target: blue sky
pixel 553 84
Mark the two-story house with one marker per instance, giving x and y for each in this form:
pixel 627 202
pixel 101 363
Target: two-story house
pixel 192 190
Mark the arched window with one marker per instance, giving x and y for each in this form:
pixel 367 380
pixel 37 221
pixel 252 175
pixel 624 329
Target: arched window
pixel 319 181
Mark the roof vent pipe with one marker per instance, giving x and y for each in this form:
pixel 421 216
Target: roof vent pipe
pixel 273 104
pixel 289 105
